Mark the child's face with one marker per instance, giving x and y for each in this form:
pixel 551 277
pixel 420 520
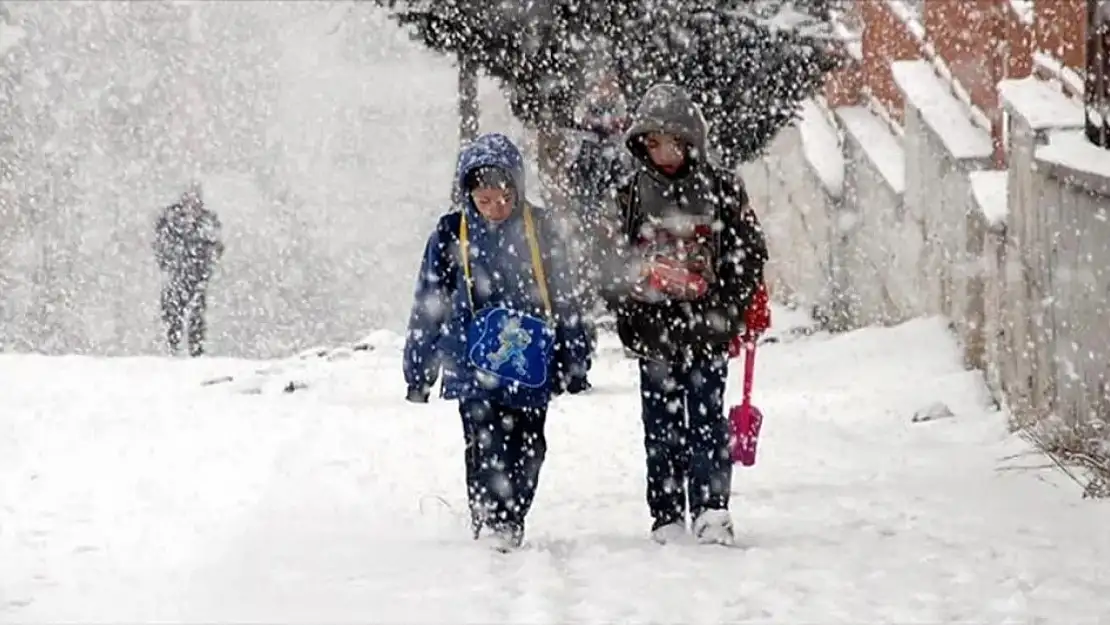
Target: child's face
pixel 608 86
pixel 666 151
pixel 493 203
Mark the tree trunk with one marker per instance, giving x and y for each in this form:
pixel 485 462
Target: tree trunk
pixel 468 101
pixel 468 111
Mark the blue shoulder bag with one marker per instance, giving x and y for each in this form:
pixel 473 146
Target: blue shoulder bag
pixel 509 347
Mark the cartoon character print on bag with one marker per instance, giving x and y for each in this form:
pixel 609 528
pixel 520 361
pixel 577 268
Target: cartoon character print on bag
pixel 513 341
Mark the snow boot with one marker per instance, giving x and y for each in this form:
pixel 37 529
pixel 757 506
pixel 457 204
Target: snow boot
pixel 714 527
pixel 476 523
pixel 669 533
pixel 504 539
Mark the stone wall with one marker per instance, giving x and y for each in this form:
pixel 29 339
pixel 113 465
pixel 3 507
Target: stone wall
pixel 868 262
pixel 797 205
pixel 1059 222
pixel 942 149
pixel 824 209
pixel 920 224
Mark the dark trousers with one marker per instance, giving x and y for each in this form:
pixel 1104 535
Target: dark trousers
pixel 686 439
pixel 505 449
pixel 184 301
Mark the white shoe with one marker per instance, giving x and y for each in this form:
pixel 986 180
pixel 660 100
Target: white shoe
pixel 714 527
pixel 669 533
pixel 502 540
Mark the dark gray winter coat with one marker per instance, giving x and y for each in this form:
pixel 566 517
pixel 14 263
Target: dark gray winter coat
pixel 676 330
pixel 187 242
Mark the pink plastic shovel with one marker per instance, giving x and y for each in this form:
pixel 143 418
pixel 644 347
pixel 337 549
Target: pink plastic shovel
pixel 745 420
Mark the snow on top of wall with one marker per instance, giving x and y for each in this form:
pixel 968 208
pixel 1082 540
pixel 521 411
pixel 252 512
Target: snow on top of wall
pixel 852 41
pixel 1070 149
pixel 877 142
pixel 1040 104
pixel 1023 9
pixel 822 147
pixel 910 15
pixel 1068 77
pixel 988 188
pixel 941 111
pixel 10 36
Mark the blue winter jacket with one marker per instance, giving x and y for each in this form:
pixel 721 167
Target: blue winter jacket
pixel 501 268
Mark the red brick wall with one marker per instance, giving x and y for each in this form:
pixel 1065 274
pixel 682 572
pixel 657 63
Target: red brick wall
pixel 1061 29
pixel 971 37
pixel 886 38
pixel 980 41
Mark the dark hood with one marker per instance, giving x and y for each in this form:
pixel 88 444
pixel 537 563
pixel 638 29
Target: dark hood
pixel 668 108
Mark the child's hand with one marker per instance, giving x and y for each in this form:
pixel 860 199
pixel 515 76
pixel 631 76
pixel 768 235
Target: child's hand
pixel 757 319
pixel 417 395
pixel 572 385
pixel 578 384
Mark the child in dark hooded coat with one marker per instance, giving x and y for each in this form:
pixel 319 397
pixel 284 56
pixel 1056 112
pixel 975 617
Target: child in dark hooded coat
pixel 493 309
pixel 692 259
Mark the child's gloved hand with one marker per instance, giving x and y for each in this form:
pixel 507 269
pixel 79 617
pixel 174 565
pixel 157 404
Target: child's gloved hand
pixel 417 395
pixel 757 319
pixel 571 384
pixel 736 347
pixel 578 384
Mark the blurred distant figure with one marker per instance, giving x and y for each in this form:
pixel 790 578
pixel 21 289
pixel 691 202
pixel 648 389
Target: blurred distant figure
pixel 187 243
pixel 601 118
pixel 598 167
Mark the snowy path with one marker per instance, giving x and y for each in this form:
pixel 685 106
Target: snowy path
pixel 128 493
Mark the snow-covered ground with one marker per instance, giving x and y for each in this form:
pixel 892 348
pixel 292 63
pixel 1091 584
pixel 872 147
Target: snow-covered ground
pixel 132 492
pixel 148 489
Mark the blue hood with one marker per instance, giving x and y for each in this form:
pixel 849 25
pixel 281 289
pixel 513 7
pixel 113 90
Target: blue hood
pixel 490 150
pixel 498 252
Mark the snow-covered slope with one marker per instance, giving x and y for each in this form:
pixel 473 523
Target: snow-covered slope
pixel 132 492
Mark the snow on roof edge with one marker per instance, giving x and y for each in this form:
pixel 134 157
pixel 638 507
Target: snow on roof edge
pixel 1070 151
pixel 1040 104
pixel 941 111
pixel 989 190
pixel 878 143
pixel 822 148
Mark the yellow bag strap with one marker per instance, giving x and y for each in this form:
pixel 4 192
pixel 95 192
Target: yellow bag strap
pixel 464 249
pixel 537 260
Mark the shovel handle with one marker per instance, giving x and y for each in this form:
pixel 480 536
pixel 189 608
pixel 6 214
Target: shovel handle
pixel 749 368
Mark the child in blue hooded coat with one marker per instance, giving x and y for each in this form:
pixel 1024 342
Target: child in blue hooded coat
pixel 493 309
